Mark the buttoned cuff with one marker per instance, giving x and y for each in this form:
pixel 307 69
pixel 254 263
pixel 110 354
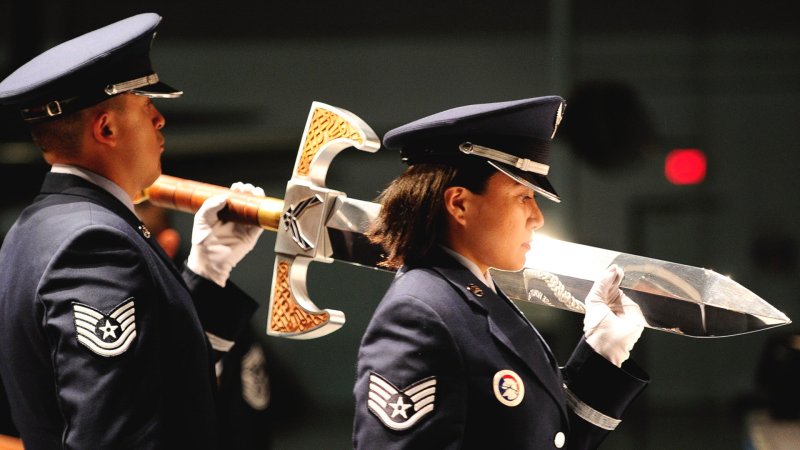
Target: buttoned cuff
pixel 224 312
pixel 600 390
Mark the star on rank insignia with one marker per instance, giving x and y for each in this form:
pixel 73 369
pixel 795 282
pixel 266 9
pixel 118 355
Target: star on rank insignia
pixel 105 334
pixel 400 409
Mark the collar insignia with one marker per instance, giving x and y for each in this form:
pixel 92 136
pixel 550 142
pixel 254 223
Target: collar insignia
pixel 105 334
pixel 508 388
pixel 145 232
pixel 475 289
pixel 400 409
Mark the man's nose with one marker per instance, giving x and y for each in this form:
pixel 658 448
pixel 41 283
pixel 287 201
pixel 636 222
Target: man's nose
pixel 159 121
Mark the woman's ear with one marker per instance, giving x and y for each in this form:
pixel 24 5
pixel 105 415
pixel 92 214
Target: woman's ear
pixel 455 203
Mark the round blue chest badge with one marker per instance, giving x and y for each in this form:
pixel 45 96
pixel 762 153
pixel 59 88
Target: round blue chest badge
pixel 508 387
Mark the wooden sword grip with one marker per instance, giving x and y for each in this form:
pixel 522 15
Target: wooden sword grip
pixel 188 195
pixel 10 443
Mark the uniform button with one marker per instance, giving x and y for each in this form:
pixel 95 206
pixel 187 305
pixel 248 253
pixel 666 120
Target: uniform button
pixel 559 439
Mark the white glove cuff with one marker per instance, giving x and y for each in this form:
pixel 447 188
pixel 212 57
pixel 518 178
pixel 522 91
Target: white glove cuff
pixel 614 339
pixel 212 272
pixel 608 348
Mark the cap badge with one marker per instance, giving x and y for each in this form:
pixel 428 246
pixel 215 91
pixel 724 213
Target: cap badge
pixel 508 387
pixel 400 409
pixel 475 289
pixel 107 335
pixel 559 116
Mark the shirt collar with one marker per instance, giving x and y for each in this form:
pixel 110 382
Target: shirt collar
pixel 486 278
pixel 98 180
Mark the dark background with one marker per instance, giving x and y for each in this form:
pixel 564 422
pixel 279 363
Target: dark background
pixel 640 79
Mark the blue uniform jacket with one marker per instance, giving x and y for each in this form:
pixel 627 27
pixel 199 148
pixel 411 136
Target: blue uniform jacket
pixel 103 342
pixel 446 363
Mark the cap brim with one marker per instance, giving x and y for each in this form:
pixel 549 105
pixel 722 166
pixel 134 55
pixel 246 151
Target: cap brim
pixel 158 90
pixel 538 183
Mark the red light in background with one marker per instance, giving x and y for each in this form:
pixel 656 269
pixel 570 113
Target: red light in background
pixel 684 166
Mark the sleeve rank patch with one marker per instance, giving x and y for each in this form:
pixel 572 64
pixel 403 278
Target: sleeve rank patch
pixel 400 409
pixel 107 335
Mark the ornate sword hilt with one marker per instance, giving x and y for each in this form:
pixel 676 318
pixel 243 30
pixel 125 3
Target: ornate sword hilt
pixel 299 219
pixel 302 235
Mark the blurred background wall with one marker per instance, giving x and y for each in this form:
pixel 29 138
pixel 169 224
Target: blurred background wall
pixel 640 79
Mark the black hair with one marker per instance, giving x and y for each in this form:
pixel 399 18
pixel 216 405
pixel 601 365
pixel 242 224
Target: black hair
pixel 412 219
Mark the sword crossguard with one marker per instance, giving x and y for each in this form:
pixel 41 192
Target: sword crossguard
pixel 302 236
pixel 328 131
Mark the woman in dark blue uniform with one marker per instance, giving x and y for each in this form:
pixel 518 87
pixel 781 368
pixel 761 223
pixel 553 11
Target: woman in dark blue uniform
pixel 447 360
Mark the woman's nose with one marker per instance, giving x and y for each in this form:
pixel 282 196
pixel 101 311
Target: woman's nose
pixel 536 216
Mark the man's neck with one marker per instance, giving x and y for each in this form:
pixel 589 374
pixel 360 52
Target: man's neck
pixel 97 179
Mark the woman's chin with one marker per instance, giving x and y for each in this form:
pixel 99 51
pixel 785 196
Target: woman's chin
pixel 511 267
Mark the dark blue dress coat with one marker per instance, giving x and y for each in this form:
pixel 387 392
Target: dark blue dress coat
pixel 446 363
pixel 103 342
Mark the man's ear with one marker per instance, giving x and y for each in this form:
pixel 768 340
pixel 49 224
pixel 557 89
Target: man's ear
pixel 455 203
pixel 103 128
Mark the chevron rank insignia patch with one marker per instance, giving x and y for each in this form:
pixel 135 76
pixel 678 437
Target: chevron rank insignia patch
pixel 107 335
pixel 400 409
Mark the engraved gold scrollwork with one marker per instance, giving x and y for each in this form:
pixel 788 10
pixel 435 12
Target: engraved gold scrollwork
pixel 287 315
pixel 325 126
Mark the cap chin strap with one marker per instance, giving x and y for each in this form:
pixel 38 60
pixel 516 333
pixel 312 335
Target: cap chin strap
pixel 125 86
pixel 134 85
pixel 526 183
pixel 496 155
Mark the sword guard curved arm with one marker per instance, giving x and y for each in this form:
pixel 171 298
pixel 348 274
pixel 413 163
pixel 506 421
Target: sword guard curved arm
pixel 329 130
pixel 292 314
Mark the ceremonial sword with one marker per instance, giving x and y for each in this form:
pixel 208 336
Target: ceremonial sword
pixel 315 223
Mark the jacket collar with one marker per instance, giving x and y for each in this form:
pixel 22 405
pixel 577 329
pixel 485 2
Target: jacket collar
pixel 95 178
pixel 67 184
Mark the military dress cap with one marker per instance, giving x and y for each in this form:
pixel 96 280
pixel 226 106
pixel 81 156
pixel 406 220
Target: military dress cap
pixel 86 70
pixel 513 136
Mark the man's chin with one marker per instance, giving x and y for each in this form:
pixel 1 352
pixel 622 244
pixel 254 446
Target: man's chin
pixel 153 179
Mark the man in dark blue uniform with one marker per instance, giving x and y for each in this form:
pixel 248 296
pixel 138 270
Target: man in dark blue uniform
pixel 104 342
pixel 448 361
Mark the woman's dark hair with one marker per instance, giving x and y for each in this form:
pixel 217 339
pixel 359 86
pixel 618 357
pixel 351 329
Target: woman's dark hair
pixel 412 218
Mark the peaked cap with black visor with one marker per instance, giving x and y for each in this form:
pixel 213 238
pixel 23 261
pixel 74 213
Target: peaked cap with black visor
pixel 514 137
pixel 86 70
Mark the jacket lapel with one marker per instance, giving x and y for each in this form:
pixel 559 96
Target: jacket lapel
pixel 508 326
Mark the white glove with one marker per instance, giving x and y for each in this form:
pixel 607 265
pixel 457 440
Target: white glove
pixel 613 322
pixel 218 246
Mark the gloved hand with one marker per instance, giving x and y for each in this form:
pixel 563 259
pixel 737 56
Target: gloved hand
pixel 613 322
pixel 218 246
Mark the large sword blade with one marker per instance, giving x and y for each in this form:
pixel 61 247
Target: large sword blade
pixel 673 297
